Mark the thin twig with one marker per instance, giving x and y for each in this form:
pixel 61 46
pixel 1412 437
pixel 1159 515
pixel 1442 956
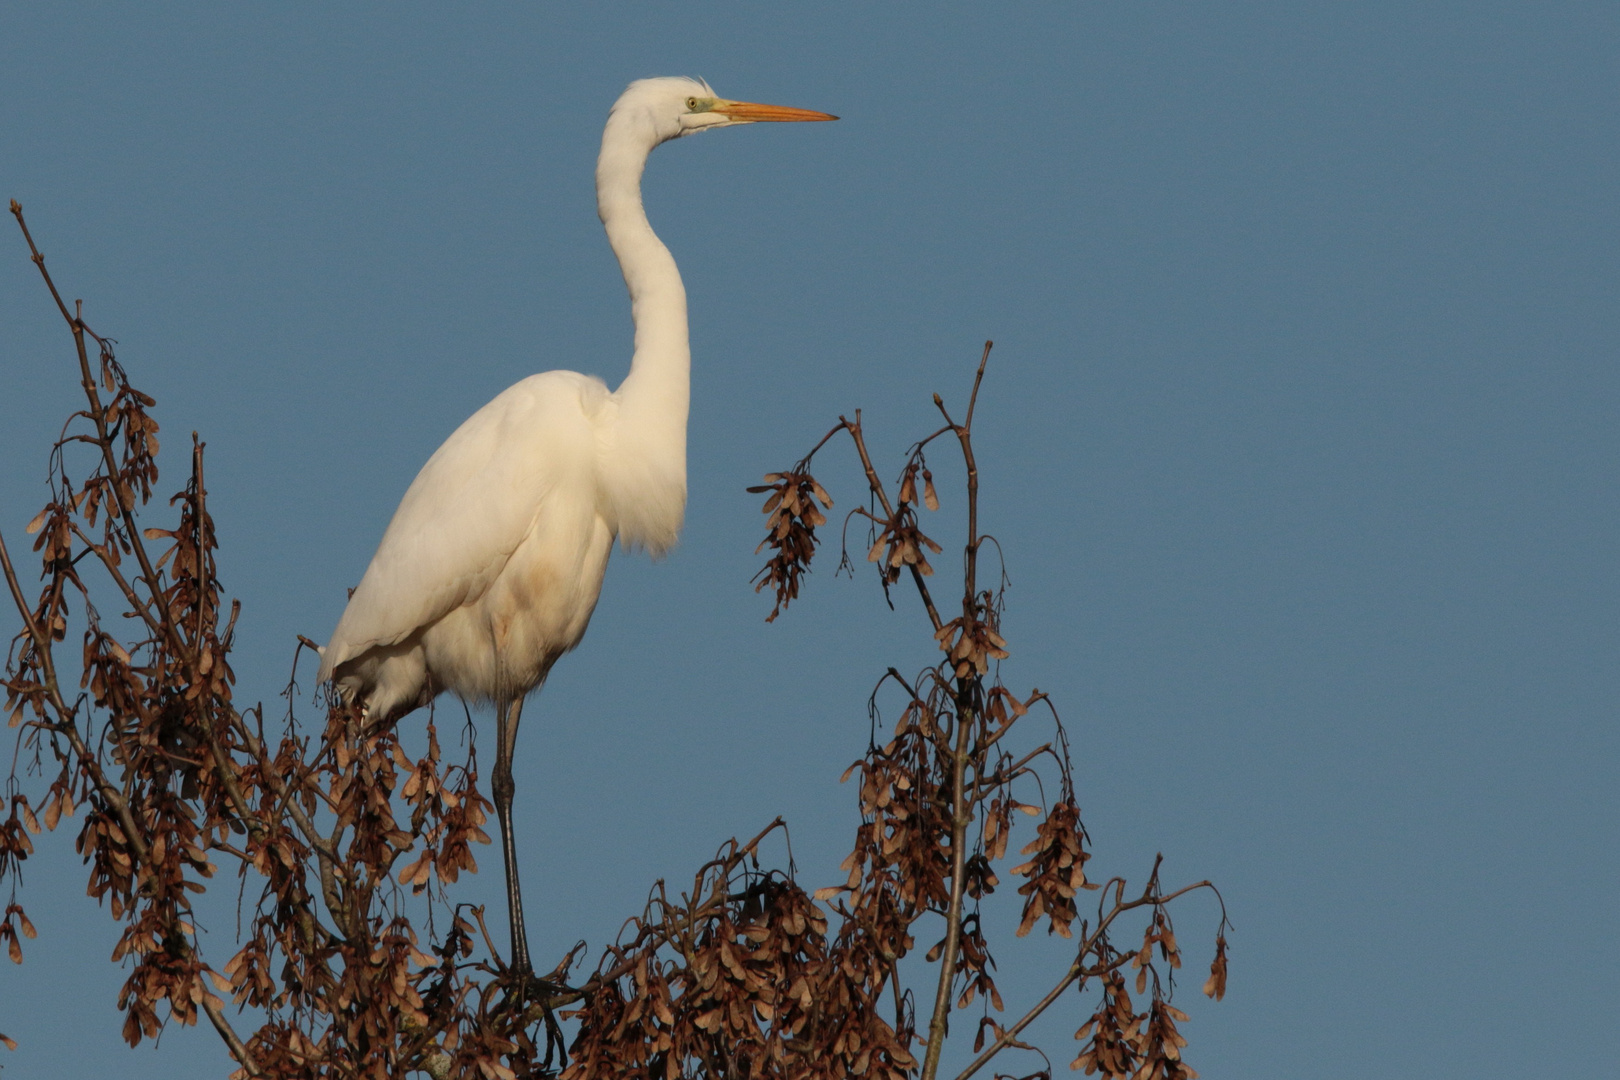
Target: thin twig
pixel 978 378
pixel 804 462
pixel 238 1048
pixel 876 485
pixel 98 415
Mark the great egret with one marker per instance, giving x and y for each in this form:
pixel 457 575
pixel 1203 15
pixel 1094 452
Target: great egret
pixel 492 565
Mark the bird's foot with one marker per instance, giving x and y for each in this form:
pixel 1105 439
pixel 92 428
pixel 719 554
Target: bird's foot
pixel 524 988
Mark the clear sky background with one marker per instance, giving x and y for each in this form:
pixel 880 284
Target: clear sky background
pixel 1299 438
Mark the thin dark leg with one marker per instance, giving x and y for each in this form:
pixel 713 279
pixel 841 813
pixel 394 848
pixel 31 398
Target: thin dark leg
pixel 506 720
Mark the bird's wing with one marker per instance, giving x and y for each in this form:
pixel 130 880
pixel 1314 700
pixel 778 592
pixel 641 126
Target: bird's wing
pixel 470 507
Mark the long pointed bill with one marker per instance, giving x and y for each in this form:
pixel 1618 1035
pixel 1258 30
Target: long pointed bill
pixel 751 112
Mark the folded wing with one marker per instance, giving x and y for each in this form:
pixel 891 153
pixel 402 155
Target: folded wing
pixel 470 507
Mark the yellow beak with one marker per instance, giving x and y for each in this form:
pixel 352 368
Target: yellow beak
pixel 751 112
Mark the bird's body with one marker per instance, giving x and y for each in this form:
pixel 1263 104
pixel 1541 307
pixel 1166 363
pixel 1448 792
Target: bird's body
pixel 493 563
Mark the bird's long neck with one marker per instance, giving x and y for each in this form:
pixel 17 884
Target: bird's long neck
pixel 660 372
pixel 653 401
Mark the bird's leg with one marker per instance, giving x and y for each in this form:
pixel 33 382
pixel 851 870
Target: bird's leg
pixel 506 720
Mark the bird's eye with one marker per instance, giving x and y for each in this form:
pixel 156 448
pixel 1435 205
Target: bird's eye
pixel 691 104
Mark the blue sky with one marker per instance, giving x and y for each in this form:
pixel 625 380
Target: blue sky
pixel 1299 439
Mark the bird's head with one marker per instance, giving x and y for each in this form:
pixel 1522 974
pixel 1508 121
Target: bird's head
pixel 678 106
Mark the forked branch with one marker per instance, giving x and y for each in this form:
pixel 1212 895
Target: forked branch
pixel 947 769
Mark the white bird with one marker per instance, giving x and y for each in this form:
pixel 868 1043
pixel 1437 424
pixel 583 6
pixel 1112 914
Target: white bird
pixel 492 565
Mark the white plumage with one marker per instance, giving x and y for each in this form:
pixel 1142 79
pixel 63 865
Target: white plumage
pixel 493 562
pixel 492 565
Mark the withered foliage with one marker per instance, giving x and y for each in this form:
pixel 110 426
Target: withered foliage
pixel 168 779
pixel 340 839
pixel 938 802
pixel 791 535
